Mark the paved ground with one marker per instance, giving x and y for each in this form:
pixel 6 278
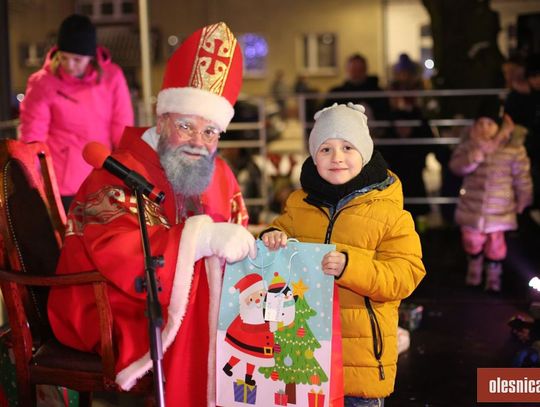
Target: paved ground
pixel 462 328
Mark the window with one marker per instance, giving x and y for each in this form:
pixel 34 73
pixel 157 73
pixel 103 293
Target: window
pixel 128 7
pixel 87 9
pixel 255 52
pixel 318 53
pixel 105 11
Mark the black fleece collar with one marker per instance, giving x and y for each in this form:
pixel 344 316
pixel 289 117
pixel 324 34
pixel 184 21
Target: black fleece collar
pixel 376 171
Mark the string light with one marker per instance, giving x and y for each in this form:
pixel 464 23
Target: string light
pixel 535 283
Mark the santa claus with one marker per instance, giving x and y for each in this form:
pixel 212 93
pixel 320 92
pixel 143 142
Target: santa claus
pixel 196 227
pixel 248 337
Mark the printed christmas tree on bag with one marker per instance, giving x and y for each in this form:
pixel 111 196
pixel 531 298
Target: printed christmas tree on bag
pixel 295 361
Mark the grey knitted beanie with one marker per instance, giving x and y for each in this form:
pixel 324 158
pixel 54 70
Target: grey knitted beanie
pixel 347 122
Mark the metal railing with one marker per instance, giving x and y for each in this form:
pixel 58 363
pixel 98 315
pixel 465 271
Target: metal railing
pixel 260 126
pixel 434 124
pixel 260 144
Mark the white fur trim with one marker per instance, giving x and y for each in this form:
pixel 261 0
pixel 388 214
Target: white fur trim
pixel 197 102
pixel 183 277
pixel 151 138
pixel 214 275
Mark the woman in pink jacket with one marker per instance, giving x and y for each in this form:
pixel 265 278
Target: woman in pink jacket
pixel 78 96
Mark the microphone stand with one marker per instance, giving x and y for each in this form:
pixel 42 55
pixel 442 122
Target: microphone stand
pixel 149 283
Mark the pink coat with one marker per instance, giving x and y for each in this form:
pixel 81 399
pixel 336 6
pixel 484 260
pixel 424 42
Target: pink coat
pixel 68 112
pixel 493 190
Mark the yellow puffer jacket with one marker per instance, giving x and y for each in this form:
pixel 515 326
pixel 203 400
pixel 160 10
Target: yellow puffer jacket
pixel 384 265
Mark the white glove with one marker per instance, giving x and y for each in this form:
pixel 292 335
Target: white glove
pixel 227 241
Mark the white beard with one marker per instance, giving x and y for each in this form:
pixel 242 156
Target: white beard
pixel 252 314
pixel 187 177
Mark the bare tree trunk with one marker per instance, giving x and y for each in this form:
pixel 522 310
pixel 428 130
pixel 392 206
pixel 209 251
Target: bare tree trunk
pixel 290 391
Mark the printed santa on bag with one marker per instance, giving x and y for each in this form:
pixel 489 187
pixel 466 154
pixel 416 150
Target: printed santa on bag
pixel 275 334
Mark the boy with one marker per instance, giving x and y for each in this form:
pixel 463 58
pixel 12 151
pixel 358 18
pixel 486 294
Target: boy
pixel 351 199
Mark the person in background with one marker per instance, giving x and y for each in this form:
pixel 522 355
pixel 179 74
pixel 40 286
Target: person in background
pixel 248 174
pixel 406 76
pixel 358 80
pixel 496 186
pixel 346 186
pixel 279 91
pixel 409 160
pixel 302 87
pixel 78 96
pixel 202 216
pixel 524 109
pixel 514 68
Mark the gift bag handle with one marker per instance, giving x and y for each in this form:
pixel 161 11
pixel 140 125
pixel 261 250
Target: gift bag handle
pixel 262 266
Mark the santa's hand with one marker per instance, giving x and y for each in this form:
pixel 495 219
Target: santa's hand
pixel 227 241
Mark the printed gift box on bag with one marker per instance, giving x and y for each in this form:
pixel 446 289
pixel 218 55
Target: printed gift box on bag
pixel 315 399
pixel 280 398
pixel 275 327
pixel 244 393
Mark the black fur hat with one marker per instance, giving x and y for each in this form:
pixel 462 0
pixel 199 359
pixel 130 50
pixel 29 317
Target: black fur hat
pixel 77 35
pixel 490 107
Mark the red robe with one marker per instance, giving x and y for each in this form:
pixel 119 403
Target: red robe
pixel 103 234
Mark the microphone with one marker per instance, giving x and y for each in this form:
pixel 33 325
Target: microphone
pixel 99 156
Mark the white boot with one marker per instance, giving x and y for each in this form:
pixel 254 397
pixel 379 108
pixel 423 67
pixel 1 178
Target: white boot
pixel 493 276
pixel 474 270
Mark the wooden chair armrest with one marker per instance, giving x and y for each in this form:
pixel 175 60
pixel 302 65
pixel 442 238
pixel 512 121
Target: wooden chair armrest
pixel 102 303
pixel 56 280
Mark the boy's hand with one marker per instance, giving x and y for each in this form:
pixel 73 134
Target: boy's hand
pixel 274 240
pixel 333 263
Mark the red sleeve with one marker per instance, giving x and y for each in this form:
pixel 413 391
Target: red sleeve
pixel 103 233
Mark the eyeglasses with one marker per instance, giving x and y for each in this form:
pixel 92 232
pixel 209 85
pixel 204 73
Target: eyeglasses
pixel 187 131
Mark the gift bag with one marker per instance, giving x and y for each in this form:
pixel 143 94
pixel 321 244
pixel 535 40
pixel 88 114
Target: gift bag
pixel 275 342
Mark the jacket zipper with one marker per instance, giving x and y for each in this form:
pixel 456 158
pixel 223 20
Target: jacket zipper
pixel 373 321
pixel 377 336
